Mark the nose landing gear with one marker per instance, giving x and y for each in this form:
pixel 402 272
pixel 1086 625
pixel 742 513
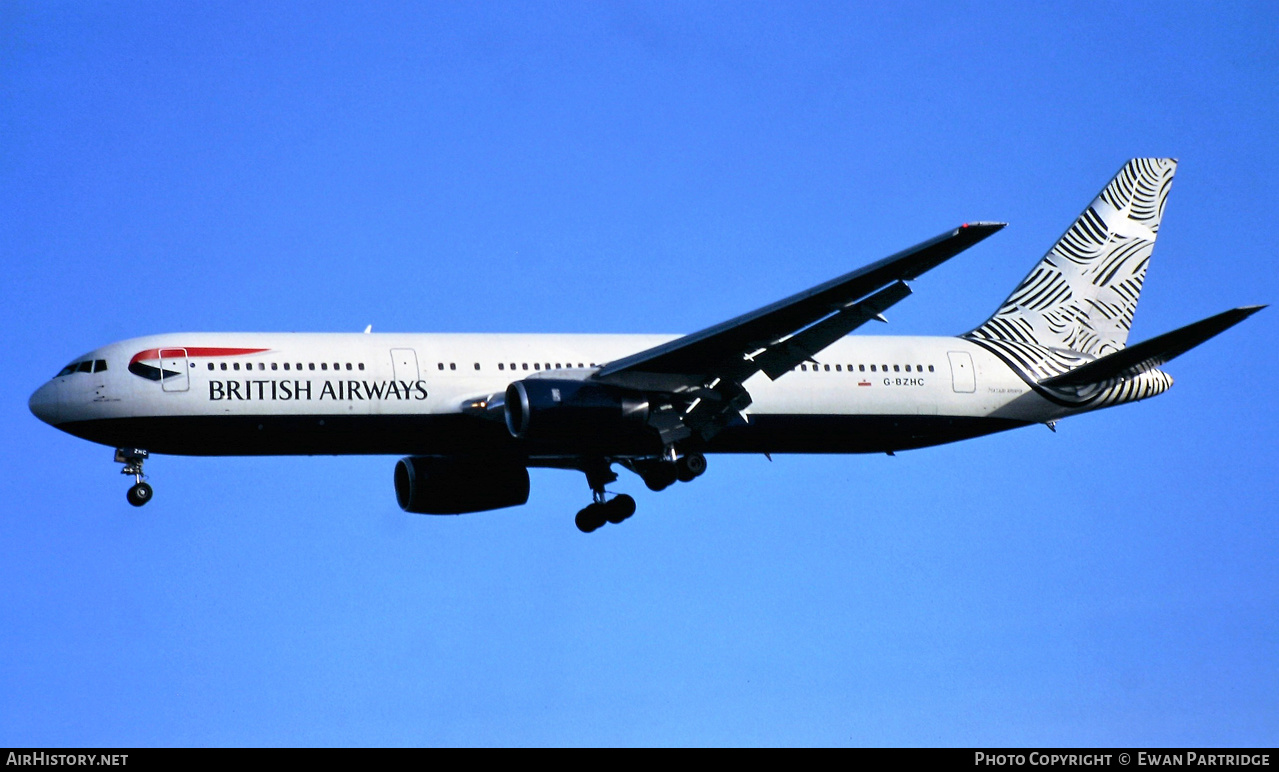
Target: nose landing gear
pixel 132 459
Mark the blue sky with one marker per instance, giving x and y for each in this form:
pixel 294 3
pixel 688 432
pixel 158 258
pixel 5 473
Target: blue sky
pixel 623 167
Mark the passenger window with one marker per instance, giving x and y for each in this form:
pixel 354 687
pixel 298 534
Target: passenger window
pixel 826 367
pixel 324 365
pixel 235 366
pixel 907 368
pixel 477 365
pixel 524 366
pixel 310 365
pixel 513 366
pixel 930 368
pixel 452 365
pixel 803 368
pixel 361 365
pixel 862 368
pixel 501 365
pixel 897 368
pixel 580 365
pixel 440 365
pixel 557 365
pixel 286 365
pixel 537 366
pixel 919 368
pixel 275 365
pixel 872 368
pixel 223 366
pixel 210 365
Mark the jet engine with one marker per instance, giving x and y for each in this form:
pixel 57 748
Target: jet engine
pixel 576 413
pixel 433 485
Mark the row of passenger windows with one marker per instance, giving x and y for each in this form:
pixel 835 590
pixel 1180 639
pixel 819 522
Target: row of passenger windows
pixel 87 366
pixel 290 365
pixel 522 366
pixel 862 368
pixel 100 365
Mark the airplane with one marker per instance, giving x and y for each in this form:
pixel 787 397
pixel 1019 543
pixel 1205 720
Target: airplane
pixel 471 413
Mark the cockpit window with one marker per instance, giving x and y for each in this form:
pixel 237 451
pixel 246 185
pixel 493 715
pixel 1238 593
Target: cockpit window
pixel 66 370
pixel 99 365
pixel 85 367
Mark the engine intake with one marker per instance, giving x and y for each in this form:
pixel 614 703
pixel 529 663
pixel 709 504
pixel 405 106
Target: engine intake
pixel 550 410
pixel 431 485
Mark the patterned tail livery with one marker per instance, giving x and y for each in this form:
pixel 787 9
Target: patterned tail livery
pixel 1077 305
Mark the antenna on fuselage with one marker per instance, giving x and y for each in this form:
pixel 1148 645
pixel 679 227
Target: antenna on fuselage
pixel 368 329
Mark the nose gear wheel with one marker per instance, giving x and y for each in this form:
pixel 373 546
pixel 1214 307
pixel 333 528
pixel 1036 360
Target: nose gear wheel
pixel 132 459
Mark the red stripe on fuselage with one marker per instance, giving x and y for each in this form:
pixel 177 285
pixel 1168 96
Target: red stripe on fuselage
pixel 154 353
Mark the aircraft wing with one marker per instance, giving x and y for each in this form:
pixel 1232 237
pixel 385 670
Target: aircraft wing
pixel 703 372
pixel 779 336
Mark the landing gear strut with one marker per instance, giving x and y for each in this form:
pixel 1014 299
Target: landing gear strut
pixel 603 510
pixel 132 459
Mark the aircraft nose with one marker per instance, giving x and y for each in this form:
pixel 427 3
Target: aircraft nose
pixel 44 403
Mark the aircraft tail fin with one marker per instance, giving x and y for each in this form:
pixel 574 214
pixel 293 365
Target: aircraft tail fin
pixel 1078 303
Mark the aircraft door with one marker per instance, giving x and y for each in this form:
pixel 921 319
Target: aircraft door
pixel 175 371
pixel 404 361
pixel 962 376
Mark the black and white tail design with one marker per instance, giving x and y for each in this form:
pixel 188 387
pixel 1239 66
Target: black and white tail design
pixel 1077 305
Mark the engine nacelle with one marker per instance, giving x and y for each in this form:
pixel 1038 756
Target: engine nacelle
pixel 576 412
pixel 430 485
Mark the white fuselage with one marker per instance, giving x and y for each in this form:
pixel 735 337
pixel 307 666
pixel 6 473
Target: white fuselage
pixel 297 383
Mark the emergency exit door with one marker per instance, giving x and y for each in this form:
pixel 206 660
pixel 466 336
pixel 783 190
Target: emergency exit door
pixel 962 376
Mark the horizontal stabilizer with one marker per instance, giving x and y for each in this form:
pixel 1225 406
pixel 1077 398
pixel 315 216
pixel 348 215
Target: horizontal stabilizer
pixel 1152 353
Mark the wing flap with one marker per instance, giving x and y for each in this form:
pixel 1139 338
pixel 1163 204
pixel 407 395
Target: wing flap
pixel 803 346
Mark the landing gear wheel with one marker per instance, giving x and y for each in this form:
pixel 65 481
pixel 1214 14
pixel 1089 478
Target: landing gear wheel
pixel 139 494
pixel 590 518
pixel 661 476
pixel 690 466
pixel 620 508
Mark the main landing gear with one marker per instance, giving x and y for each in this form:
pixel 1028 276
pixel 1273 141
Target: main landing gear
pixel 603 510
pixel 657 474
pixel 662 474
pixel 132 459
pixel 595 515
